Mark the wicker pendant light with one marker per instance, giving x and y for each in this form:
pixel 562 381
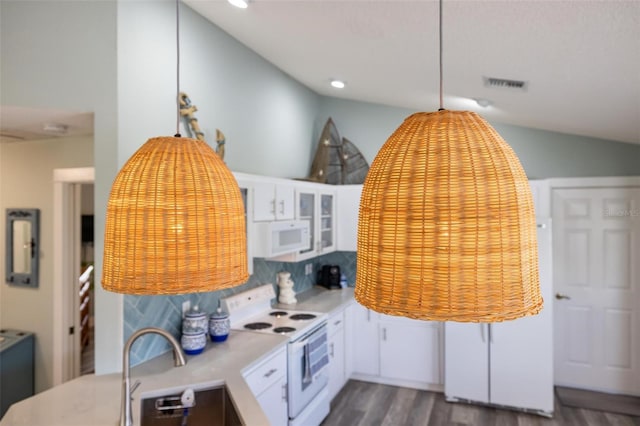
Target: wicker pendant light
pixel 446 229
pixel 175 220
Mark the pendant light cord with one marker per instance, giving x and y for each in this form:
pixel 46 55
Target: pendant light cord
pixel 177 135
pixel 440 40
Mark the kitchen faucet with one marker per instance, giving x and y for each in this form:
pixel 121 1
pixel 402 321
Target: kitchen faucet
pixel 178 357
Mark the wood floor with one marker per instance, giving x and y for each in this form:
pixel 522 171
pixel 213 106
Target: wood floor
pixel 369 404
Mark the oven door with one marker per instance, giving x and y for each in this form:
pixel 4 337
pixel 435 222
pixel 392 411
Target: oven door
pixel 308 372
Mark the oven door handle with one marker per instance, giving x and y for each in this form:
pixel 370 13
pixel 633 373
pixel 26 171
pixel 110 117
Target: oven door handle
pixel 306 379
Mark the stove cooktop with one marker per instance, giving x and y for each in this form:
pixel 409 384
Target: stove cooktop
pixel 251 311
pixel 289 322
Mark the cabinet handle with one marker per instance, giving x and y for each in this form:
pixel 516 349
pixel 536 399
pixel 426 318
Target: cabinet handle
pixel 285 397
pixel 282 207
pixel 337 322
pixel 273 207
pixel 331 352
pixel 270 372
pixel 384 334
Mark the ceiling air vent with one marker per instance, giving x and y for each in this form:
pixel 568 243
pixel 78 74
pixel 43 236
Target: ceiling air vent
pixel 503 83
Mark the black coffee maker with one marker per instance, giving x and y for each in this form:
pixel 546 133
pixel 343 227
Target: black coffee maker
pixel 329 276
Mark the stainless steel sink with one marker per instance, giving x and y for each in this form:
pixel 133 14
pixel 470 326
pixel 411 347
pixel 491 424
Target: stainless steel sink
pixel 213 407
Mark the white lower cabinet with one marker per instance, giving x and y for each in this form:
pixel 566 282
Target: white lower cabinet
pixel 337 353
pixel 409 350
pixel 397 350
pixel 268 382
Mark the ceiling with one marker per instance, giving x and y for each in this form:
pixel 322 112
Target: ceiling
pixel 22 124
pixel 580 59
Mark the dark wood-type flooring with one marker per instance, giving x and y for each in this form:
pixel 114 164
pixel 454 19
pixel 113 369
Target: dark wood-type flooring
pixel 370 404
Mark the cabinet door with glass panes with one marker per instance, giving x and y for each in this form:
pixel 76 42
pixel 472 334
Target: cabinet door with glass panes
pixel 316 205
pixel 327 211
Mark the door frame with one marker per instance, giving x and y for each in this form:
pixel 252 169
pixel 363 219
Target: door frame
pixel 66 190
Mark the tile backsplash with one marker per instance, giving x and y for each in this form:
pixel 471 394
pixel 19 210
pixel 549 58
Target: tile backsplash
pixel 166 311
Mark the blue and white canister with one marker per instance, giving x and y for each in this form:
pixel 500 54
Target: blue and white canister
pixel 193 343
pixel 219 326
pixel 194 321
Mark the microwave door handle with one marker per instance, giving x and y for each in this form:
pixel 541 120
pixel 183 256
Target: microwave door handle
pixel 307 365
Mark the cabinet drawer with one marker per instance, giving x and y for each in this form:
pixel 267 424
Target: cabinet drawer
pixel 335 323
pixel 267 372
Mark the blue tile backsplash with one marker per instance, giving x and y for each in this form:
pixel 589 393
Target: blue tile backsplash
pixel 166 311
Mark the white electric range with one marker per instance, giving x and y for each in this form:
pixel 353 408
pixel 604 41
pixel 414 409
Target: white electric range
pixel 307 350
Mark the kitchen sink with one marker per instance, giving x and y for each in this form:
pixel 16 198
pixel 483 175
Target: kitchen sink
pixel 213 407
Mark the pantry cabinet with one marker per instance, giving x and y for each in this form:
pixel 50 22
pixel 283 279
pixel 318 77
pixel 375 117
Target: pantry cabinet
pixel 396 350
pixel 268 382
pixel 508 363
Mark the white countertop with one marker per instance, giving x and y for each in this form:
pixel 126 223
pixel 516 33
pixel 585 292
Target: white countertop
pixel 319 299
pixel 95 400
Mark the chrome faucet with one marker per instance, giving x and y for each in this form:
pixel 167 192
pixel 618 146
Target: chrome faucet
pixel 178 357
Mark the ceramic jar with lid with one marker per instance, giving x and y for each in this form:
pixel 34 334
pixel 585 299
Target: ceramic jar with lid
pixel 219 325
pixel 194 321
pixel 193 342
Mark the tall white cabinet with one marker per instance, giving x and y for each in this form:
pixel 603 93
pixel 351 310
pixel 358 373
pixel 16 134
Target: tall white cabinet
pixel 508 363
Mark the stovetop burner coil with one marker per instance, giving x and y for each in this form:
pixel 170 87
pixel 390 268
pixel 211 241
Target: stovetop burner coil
pixel 257 325
pixel 283 330
pixel 302 317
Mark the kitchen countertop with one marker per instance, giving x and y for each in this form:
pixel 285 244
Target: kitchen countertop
pixel 320 299
pixel 95 400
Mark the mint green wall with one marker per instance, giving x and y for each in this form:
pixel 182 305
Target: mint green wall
pixel 543 154
pixel 266 116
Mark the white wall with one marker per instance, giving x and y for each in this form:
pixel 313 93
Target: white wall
pixel 62 55
pixel 26 172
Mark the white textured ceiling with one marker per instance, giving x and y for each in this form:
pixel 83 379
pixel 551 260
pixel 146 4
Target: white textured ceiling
pixel 22 124
pixel 581 59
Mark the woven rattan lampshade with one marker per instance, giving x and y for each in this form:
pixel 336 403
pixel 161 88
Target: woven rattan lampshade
pixel 175 222
pixel 447 229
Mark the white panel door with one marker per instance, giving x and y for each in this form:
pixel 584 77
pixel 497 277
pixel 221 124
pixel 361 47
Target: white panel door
pixel 521 354
pixel 597 284
pixel 466 366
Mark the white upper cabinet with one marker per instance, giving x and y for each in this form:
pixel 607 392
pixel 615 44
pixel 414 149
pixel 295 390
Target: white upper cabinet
pixel 348 208
pixel 273 201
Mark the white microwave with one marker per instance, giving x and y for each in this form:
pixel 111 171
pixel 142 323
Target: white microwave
pixel 281 237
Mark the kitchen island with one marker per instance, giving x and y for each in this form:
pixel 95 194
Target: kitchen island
pixel 95 400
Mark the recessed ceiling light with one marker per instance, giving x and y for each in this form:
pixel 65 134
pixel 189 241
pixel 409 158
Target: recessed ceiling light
pixel 242 4
pixel 338 84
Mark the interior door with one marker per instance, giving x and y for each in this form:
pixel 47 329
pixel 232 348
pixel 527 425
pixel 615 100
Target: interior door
pixel 521 355
pixel 597 284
